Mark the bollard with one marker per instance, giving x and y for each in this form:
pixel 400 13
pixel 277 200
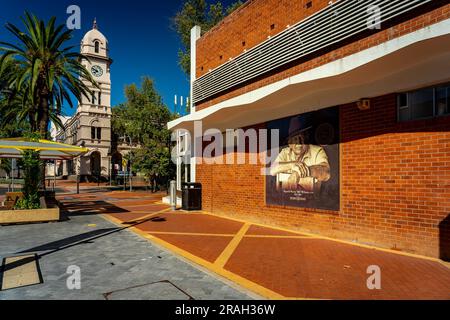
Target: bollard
pixel 173 194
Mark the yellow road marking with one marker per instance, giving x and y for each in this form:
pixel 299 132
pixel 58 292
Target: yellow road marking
pixel 275 236
pixel 147 216
pixel 228 251
pixel 319 237
pixel 137 205
pixel 226 235
pixel 248 284
pixel 191 234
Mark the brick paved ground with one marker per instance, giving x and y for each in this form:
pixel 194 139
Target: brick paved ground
pixel 111 259
pixel 279 263
pixel 271 262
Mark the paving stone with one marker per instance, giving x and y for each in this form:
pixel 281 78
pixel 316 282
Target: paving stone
pixel 135 263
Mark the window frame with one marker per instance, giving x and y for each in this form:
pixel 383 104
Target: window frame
pixel 99 133
pixel 93 132
pixel 408 105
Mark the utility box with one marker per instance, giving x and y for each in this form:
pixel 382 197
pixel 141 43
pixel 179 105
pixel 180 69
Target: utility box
pixel 191 196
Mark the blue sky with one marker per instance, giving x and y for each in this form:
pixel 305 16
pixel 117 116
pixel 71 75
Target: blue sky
pixel 139 32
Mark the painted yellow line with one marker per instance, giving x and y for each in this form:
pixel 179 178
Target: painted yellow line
pixel 227 235
pixel 185 213
pixel 231 247
pixel 263 291
pixel 112 219
pixel 136 205
pixel 191 234
pixel 296 298
pixel 275 236
pixel 147 216
pixel 243 282
pixel 445 263
pixel 319 237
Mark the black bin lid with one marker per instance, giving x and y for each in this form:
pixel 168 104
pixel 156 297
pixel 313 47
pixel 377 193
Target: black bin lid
pixel 191 185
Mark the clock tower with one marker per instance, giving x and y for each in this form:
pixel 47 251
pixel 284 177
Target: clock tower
pixel 94 46
pixel 93 118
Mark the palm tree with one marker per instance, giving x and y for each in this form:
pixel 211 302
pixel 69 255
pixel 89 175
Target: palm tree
pixel 14 118
pixel 47 72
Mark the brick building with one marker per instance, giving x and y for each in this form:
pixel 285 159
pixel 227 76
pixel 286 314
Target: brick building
pixel 368 84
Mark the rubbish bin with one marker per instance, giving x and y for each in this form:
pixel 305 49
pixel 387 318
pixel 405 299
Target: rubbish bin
pixel 191 196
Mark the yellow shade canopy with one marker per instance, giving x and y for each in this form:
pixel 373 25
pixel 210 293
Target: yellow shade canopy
pixel 49 150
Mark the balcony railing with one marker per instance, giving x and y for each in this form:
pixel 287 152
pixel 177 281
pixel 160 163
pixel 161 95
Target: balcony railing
pixel 332 25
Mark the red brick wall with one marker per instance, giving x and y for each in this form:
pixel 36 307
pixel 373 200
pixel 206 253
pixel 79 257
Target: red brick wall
pixel 252 24
pixel 395 183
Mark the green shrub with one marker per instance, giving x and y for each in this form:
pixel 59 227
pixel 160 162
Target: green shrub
pixel 31 168
pixel 32 202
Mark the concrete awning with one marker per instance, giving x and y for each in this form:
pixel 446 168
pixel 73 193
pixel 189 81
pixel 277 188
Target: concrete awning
pixel 415 60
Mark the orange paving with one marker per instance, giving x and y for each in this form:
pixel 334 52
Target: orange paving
pixel 273 263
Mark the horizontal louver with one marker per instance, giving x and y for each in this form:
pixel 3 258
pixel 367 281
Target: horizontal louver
pixel 332 25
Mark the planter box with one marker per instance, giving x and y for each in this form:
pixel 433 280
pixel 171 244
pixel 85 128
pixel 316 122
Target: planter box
pixel 30 216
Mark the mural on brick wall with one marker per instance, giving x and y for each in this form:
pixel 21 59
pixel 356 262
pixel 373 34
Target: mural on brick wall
pixel 306 171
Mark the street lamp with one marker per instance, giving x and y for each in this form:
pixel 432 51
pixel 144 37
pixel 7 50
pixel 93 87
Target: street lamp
pixel 109 165
pixel 131 174
pixel 82 144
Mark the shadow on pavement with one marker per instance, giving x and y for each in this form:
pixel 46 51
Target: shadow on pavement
pixel 76 240
pixel 90 208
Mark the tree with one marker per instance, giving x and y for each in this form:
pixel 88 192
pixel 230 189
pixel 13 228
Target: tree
pixel 14 120
pixel 144 117
pixel 31 166
pixel 197 12
pixel 46 71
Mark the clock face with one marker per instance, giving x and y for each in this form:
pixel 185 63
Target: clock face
pixel 97 71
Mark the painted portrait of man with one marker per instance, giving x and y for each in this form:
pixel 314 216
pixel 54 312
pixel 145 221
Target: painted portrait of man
pixel 305 173
pixel 300 166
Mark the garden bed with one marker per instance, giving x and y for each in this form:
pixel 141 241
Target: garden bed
pixel 49 212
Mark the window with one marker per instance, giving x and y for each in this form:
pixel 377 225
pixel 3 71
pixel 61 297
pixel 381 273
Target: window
pixel 99 98
pixel 442 100
pixel 93 98
pixel 97 47
pixel 96 133
pixel 424 103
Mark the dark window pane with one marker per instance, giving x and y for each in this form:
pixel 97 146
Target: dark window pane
pixel 97 47
pixel 442 101
pixel 99 98
pixel 404 114
pixel 403 99
pixel 92 133
pixel 99 133
pixel 421 103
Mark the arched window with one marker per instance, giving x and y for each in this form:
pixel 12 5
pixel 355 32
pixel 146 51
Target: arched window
pixel 97 47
